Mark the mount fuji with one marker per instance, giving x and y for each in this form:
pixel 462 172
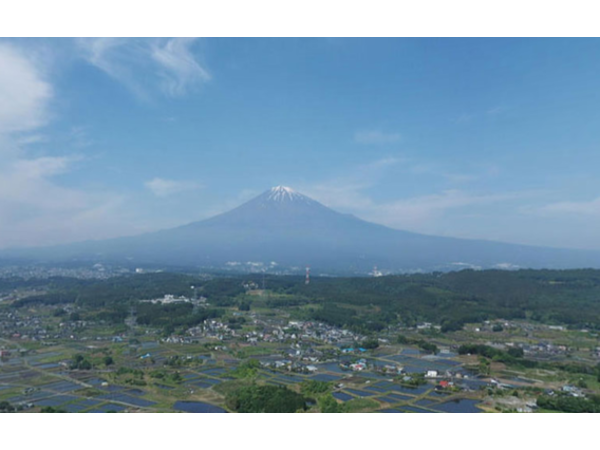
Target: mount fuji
pixel 284 228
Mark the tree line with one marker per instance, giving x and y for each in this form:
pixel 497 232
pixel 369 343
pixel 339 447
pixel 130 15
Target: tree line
pixel 567 297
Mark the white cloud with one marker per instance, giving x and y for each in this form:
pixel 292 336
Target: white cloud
pixel 78 137
pixel 376 137
pixel 24 94
pixel 346 192
pixel 46 166
pixel 569 208
pixel 31 139
pixel 146 64
pixel 438 170
pixel 178 68
pixel 415 212
pixel 163 188
pixel 350 194
pixel 496 110
pixel 464 118
pixel 409 213
pixel 468 117
pixel 35 209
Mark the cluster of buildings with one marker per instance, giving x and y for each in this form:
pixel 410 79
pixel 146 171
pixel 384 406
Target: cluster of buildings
pixel 273 330
pixel 170 299
pixel 28 327
pixel 545 349
pixel 356 366
pixel 212 329
pixel 289 364
pixel 309 332
pixel 538 349
pixel 95 272
pixel 22 326
pixel 573 391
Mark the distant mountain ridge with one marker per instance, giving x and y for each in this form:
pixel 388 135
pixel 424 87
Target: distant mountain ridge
pixel 284 228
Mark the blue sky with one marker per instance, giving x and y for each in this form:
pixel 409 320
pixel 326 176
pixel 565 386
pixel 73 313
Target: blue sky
pixel 478 138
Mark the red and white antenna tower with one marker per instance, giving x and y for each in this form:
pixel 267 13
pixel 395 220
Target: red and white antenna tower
pixel 307 275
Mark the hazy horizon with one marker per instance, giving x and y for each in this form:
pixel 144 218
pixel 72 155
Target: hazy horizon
pixel 242 203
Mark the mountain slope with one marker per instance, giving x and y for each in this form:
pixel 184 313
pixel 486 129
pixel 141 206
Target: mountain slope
pixel 291 229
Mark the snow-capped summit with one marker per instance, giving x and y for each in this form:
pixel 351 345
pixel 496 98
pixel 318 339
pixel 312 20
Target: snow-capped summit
pixel 283 197
pixel 279 206
pixel 282 193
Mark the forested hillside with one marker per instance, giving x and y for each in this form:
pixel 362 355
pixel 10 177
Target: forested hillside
pixel 569 297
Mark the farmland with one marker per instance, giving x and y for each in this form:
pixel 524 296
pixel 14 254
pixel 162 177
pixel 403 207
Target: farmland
pixel 150 344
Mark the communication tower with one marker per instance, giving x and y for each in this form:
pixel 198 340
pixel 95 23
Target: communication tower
pixel 131 320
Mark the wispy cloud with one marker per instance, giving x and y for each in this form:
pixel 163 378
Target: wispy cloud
pixel 464 118
pixel 570 208
pixel 351 193
pixel 144 65
pixel 438 171
pixel 30 139
pixel 347 192
pixel 178 68
pixel 415 212
pixel 496 110
pixel 162 187
pixel 46 166
pixel 376 137
pixel 79 137
pixel 24 93
pixel 35 208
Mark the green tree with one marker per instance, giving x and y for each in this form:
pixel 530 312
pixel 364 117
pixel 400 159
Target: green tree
pixel 6 406
pixel 328 404
pixel 401 339
pixel 247 369
pixel 244 306
pixel 177 378
pixel 266 399
pixel 51 409
pixel 314 387
pixel 484 366
pixel 85 365
pixel 428 347
pixel 76 361
pixel 516 352
pixel 370 344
